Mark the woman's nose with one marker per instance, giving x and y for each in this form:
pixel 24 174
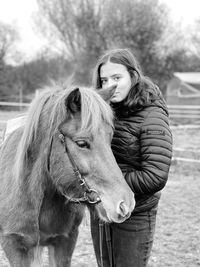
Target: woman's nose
pixel 111 83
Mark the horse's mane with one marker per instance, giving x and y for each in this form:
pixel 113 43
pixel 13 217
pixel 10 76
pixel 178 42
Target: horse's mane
pixel 48 111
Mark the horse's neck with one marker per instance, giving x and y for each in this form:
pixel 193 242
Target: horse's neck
pixel 57 216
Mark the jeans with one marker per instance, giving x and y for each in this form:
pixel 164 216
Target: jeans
pixel 131 240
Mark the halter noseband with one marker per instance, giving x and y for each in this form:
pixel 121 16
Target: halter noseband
pixel 82 181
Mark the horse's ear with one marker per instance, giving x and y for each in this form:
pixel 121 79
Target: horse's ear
pixel 107 93
pixel 73 101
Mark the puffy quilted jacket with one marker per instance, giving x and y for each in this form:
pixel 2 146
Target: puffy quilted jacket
pixel 142 145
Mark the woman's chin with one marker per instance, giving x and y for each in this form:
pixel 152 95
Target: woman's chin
pixel 115 100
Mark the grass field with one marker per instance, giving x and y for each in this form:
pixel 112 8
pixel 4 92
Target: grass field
pixel 177 238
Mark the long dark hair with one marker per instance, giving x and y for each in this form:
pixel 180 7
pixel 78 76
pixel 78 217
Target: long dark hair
pixel 143 91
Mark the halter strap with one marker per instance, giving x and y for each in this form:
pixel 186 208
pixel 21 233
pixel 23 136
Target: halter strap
pixel 77 173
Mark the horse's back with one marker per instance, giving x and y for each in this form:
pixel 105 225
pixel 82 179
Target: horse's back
pixel 14 124
pixel 9 148
pixel 8 154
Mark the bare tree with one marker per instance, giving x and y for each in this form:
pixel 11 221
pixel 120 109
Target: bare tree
pixel 86 28
pixel 195 37
pixel 8 36
pixel 77 24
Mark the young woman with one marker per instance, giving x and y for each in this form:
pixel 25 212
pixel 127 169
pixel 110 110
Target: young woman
pixel 142 145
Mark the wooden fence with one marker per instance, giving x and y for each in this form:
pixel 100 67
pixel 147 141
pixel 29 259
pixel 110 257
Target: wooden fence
pixel 184 114
pixel 179 114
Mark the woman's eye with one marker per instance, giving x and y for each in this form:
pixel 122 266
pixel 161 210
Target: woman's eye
pixel 116 78
pixel 83 144
pixel 103 81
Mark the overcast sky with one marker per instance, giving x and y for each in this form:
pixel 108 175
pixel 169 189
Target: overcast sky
pixel 19 12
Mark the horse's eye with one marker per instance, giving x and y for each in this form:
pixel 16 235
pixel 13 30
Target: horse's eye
pixel 83 144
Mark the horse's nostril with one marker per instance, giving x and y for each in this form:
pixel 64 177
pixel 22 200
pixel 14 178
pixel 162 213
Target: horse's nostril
pixel 123 209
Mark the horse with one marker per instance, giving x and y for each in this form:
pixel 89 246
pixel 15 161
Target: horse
pixel 52 167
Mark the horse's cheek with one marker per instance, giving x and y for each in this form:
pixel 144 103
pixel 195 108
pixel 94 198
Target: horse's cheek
pixel 59 167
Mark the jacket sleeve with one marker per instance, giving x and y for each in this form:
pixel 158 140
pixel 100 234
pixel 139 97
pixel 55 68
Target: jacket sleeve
pixel 156 153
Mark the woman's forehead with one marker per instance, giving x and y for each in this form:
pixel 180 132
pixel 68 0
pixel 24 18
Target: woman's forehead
pixel 110 69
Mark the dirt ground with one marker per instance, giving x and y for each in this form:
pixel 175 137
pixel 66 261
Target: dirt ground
pixel 177 237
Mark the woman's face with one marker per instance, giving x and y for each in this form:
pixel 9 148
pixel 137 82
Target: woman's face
pixel 116 74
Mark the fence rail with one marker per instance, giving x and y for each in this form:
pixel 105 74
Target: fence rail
pixel 185 113
pixel 14 104
pixel 180 114
pixel 175 111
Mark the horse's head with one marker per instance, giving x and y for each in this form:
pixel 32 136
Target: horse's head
pixel 83 142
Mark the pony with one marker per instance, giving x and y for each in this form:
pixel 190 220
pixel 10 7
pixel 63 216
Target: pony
pixel 52 167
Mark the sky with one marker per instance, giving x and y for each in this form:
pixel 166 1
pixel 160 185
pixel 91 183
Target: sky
pixel 20 12
pixel 186 10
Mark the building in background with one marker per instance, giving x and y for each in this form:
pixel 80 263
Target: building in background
pixel 184 89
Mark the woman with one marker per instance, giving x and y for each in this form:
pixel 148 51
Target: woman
pixel 142 145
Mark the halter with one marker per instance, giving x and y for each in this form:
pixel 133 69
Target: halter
pixel 82 181
pixel 86 198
